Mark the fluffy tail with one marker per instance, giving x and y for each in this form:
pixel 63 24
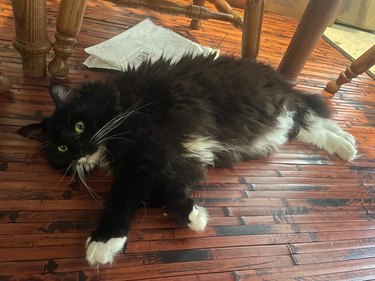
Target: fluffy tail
pixel 316 104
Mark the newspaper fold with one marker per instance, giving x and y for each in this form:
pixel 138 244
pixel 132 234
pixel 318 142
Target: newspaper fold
pixel 143 41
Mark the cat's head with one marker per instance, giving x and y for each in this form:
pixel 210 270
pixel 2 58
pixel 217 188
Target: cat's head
pixel 73 137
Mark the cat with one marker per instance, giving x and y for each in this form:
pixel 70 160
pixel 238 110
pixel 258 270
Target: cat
pixel 158 127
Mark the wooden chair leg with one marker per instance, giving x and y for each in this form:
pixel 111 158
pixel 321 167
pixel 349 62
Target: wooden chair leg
pixel 310 29
pixel 254 10
pixel 68 25
pixel 360 65
pixel 224 7
pixel 196 24
pixel 4 84
pixel 31 39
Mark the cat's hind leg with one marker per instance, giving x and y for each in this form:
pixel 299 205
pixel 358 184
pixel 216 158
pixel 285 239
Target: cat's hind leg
pixel 326 134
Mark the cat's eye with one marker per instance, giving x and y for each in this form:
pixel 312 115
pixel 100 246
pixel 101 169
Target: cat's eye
pixel 62 148
pixel 79 127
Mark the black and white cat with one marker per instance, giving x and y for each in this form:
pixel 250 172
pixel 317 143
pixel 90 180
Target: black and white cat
pixel 158 127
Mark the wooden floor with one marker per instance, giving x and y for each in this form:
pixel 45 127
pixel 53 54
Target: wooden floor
pixel 298 215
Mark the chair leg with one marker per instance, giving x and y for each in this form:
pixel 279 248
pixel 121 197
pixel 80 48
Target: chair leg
pixel 31 39
pixel 68 25
pixel 310 29
pixel 196 24
pixel 224 7
pixel 360 65
pixel 254 10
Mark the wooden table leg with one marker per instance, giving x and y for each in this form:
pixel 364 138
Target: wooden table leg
pixel 254 10
pixel 31 39
pixel 360 65
pixel 196 24
pixel 4 84
pixel 310 29
pixel 68 25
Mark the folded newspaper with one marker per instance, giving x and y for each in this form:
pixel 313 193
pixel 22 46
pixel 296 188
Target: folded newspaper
pixel 143 41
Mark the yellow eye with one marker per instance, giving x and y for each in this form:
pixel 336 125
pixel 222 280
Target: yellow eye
pixel 79 127
pixel 62 148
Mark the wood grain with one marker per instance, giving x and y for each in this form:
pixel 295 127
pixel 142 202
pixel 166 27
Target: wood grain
pixel 68 25
pixel 31 36
pixel 357 67
pixel 314 21
pixel 299 214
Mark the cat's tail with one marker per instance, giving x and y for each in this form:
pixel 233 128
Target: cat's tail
pixel 313 126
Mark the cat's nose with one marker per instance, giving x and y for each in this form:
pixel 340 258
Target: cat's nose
pixel 82 152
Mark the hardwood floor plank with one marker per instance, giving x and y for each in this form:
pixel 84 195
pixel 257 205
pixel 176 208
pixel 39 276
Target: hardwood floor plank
pixel 299 214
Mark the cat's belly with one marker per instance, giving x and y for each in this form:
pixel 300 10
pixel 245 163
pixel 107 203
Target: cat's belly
pixel 208 150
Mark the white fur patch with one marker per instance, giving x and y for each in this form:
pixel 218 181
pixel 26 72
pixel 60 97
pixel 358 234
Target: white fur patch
pixel 98 158
pixel 103 252
pixel 93 159
pixel 326 134
pixel 276 137
pixel 198 218
pixel 202 148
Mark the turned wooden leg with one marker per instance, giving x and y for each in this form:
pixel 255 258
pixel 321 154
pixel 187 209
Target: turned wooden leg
pixel 68 25
pixel 196 24
pixel 223 7
pixel 31 39
pixel 4 84
pixel 360 65
pixel 310 29
pixel 254 10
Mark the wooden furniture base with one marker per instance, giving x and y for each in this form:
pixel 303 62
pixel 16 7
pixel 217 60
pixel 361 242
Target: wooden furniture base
pixel 359 66
pixel 310 29
pixel 254 10
pixel 31 39
pixel 68 25
pixel 251 25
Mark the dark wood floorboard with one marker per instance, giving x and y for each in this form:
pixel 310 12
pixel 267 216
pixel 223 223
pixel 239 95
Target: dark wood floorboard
pixel 301 214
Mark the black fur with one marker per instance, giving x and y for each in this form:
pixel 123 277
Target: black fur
pixel 229 100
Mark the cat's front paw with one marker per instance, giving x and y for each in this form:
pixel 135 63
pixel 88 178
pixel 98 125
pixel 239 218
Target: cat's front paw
pixel 198 218
pixel 99 252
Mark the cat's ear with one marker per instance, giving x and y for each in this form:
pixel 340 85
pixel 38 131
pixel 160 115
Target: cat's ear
pixel 62 94
pixel 33 131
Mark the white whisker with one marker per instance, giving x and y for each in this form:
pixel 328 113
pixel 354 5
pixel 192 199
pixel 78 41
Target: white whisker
pixel 81 175
pixel 115 138
pixel 67 170
pixel 110 154
pixel 115 122
pixel 35 150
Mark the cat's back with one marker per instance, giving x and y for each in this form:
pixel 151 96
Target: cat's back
pixel 225 84
pixel 226 72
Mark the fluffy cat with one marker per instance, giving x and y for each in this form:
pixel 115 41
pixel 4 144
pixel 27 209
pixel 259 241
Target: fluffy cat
pixel 158 127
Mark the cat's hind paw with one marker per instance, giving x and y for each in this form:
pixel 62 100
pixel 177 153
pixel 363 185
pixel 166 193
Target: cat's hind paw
pixel 198 218
pixel 98 252
pixel 346 150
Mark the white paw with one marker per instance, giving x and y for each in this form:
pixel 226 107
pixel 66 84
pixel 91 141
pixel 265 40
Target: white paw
pixel 347 150
pixel 198 218
pixel 103 252
pixel 348 137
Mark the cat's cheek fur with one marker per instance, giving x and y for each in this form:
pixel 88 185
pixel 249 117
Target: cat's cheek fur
pixel 98 252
